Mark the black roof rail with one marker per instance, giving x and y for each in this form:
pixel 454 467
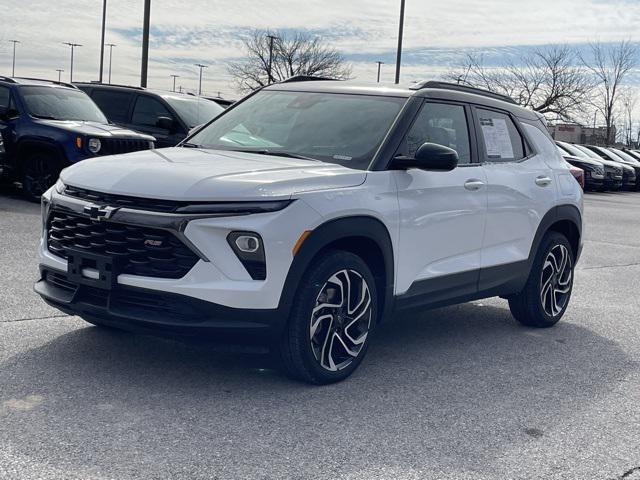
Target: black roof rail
pixel 55 82
pixel 462 88
pixel 102 84
pixel 7 79
pixel 306 78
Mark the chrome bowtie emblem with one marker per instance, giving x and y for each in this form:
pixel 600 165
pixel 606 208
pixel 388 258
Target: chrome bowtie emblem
pixel 99 213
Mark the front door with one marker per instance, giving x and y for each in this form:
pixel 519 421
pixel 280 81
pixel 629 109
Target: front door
pixel 442 214
pixel 144 118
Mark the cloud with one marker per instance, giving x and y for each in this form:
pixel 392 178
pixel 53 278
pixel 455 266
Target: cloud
pixel 437 34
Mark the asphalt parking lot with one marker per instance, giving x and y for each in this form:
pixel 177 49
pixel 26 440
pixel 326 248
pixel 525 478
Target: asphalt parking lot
pixel 456 393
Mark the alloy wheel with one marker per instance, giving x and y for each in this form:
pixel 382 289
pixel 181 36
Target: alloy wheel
pixel 556 280
pixel 40 175
pixel 340 320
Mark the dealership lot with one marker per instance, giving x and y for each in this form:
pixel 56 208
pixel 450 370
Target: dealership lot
pixel 459 392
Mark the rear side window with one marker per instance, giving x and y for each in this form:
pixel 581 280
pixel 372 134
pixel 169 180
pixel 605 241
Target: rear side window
pixel 500 139
pixel 115 105
pixel 147 111
pixel 443 124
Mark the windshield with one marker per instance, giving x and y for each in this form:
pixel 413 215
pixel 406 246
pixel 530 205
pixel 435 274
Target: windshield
pixel 193 110
pixel 55 103
pixel 572 150
pixel 626 157
pixel 589 153
pixel 331 127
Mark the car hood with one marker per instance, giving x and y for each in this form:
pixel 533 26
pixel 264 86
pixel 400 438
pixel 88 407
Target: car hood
pixel 95 129
pixel 210 175
pixel 583 160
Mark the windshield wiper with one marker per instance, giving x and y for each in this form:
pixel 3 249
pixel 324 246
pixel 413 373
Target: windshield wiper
pixel 277 154
pixel 190 145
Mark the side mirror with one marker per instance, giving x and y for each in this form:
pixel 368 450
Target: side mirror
pixel 430 156
pixel 165 123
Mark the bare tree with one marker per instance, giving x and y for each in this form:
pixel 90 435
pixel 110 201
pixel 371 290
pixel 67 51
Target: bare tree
pixel 549 81
pixel 298 54
pixel 610 65
pixel 628 101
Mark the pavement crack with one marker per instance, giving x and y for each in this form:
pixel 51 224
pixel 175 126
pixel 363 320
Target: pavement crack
pixel 34 318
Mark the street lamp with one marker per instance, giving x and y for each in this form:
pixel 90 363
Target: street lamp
pixel 145 43
pixel 59 70
pixel 400 34
pixel 13 69
pixel 272 39
pixel 110 45
pixel 72 45
pixel 174 81
pixel 104 22
pixel 379 65
pixel 201 67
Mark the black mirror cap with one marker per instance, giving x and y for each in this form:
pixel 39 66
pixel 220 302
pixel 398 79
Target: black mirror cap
pixel 165 123
pixel 430 156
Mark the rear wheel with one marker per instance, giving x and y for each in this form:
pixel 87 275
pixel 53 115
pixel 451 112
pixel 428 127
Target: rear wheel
pixel 39 173
pixel 333 314
pixel 546 295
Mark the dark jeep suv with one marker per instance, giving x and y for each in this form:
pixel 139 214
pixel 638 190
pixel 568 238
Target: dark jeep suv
pixel 46 126
pixel 168 116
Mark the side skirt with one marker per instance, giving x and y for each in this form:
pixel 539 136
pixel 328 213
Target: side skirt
pixel 502 280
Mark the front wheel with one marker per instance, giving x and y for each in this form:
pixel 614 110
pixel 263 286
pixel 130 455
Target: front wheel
pixel 40 172
pixel 546 295
pixel 333 314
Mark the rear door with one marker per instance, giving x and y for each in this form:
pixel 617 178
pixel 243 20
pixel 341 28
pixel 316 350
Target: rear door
pixel 520 191
pixel 442 214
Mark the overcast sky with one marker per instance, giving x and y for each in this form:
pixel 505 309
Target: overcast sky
pixel 207 31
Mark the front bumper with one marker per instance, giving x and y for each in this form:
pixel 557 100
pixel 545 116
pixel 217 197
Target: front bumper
pixel 159 313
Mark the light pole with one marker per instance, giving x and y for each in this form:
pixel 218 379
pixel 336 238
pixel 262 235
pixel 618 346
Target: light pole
pixel 13 69
pixel 145 43
pixel 201 67
pixel 104 23
pixel 174 81
pixel 272 39
pixel 379 65
pixel 110 45
pixel 59 70
pixel 72 45
pixel 400 34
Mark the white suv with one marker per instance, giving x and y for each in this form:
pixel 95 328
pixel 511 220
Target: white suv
pixel 309 212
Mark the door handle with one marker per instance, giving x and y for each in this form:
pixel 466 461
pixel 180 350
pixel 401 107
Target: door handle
pixel 473 184
pixel 543 181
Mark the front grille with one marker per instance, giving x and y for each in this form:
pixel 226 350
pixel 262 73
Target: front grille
pixel 138 203
pixel 113 146
pixel 139 250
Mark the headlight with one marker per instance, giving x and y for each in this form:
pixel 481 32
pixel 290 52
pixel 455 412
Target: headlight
pixel 59 186
pixel 94 145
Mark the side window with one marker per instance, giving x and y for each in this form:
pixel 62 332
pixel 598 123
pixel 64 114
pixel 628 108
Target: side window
pixel 5 95
pixel 147 111
pixel 500 138
pixel 115 105
pixel 443 124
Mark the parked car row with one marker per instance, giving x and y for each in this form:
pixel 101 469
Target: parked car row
pixel 46 126
pixel 605 168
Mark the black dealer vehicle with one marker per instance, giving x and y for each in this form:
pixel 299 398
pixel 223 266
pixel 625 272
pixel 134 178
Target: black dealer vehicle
pixel 594 171
pixel 47 126
pixel 628 172
pixel 168 116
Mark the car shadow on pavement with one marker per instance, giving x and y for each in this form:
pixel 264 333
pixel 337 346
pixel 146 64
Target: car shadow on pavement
pixel 459 385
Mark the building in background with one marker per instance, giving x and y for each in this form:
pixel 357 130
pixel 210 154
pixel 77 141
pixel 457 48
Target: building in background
pixel 574 133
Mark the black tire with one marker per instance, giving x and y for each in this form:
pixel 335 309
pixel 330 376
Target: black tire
pixel 40 171
pixel 527 306
pixel 300 348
